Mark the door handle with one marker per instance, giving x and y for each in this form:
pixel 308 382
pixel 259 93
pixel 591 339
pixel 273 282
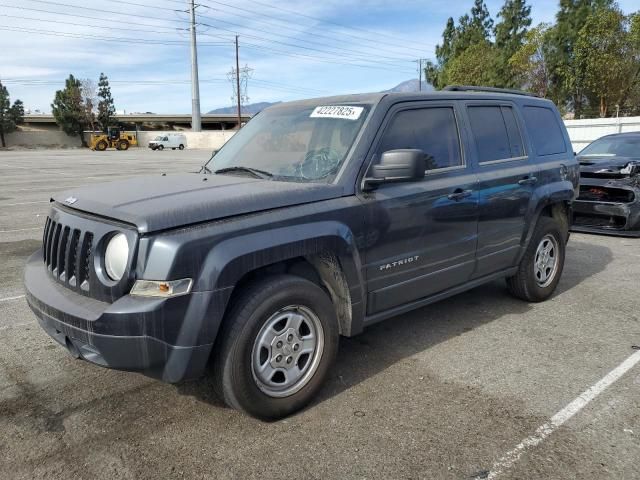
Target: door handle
pixel 527 181
pixel 459 194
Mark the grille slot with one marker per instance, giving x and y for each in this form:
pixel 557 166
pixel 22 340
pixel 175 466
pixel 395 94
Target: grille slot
pixel 67 254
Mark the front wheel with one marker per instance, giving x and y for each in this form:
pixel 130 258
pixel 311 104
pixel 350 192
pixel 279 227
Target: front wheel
pixel 160 147
pixel 277 346
pixel 541 266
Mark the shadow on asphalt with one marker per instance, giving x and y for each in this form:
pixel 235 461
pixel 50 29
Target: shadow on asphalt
pixel 387 343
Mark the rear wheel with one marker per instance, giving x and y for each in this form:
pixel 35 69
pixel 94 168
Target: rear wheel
pixel 101 145
pixel 181 147
pixel 278 344
pixel 541 266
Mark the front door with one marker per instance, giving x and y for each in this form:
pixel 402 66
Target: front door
pixel 421 235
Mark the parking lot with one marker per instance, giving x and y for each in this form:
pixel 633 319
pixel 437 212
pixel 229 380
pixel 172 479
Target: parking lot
pixel 454 390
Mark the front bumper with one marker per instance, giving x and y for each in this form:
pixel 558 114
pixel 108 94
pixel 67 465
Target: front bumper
pixel 161 338
pixel 608 218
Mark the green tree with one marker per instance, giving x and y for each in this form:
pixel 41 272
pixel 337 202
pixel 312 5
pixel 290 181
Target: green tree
pixel 510 34
pixel 605 59
pixel 562 39
pixel 473 28
pixel 529 63
pixel 10 115
pixel 106 108
pixel 474 66
pixel 68 109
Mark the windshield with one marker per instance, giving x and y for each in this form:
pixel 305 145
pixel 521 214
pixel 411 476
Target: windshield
pixel 299 143
pixel 624 146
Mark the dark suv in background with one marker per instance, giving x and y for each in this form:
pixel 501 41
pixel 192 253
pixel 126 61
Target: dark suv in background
pixel 316 220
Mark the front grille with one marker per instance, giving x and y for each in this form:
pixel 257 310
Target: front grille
pixel 67 254
pixel 605 194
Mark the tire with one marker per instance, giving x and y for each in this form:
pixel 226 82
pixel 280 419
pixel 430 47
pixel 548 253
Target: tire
pixel 539 272
pixel 173 148
pixel 181 147
pixel 123 145
pixel 260 331
pixel 101 146
pixel 160 147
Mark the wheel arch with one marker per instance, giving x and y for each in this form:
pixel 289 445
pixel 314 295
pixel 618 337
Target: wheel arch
pixel 323 253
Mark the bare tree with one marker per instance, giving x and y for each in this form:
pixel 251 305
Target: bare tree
pixel 88 90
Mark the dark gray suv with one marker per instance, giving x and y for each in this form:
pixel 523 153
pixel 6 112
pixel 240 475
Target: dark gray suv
pixel 316 220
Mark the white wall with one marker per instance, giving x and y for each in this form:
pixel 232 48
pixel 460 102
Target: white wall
pixel 208 140
pixel 583 132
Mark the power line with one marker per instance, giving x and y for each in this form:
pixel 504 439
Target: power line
pixel 377 34
pixel 310 42
pixel 203 16
pixel 104 38
pixel 376 45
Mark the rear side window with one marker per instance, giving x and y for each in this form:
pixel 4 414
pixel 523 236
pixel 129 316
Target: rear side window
pixel 544 130
pixel 496 133
pixel 433 130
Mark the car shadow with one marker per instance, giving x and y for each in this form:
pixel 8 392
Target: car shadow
pixel 387 343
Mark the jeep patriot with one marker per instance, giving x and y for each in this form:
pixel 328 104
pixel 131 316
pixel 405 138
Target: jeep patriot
pixel 317 219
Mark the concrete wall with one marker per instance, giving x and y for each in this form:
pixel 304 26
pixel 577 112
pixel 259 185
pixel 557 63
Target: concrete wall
pixel 41 139
pixel 208 140
pixel 583 132
pixel 54 138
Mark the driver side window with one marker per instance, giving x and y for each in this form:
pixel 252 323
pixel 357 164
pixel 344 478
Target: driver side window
pixel 433 130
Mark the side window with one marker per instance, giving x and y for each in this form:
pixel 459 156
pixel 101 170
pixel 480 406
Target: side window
pixel 495 131
pixel 433 130
pixel 515 138
pixel 544 129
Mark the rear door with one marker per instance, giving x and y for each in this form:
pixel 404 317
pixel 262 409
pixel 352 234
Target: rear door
pixel 421 235
pixel 506 182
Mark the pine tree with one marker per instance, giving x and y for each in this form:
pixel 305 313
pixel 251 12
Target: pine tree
pixel 510 34
pixel 481 19
pixel 106 108
pixel 10 115
pixel 68 109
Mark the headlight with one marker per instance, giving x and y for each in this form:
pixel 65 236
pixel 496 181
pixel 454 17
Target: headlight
pixel 116 256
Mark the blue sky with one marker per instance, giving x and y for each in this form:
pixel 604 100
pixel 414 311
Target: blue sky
pixel 297 49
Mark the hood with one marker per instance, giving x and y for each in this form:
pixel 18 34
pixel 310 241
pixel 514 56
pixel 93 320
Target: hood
pixel 608 167
pixel 159 202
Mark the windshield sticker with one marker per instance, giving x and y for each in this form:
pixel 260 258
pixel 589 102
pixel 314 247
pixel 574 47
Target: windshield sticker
pixel 337 111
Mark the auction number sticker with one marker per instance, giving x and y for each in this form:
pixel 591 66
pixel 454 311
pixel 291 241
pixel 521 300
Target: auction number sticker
pixel 337 111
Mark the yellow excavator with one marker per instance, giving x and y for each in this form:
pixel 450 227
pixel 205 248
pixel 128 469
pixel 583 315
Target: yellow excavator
pixel 114 138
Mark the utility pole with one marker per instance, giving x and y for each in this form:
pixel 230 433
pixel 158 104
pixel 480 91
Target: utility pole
pixel 238 85
pixel 196 120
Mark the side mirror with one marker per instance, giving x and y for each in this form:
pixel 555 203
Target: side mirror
pixel 397 166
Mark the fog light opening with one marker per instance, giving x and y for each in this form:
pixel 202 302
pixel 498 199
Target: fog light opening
pixel 73 350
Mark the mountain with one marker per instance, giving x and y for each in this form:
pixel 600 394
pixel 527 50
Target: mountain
pixel 251 109
pixel 410 86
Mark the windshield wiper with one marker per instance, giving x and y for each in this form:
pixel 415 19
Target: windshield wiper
pixel 254 171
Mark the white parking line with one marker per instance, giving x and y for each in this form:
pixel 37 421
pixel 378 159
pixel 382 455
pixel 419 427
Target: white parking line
pixel 511 457
pixel 21 230
pixel 8 299
pixel 23 203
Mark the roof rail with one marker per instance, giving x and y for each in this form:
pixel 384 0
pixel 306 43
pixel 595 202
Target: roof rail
pixel 471 88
